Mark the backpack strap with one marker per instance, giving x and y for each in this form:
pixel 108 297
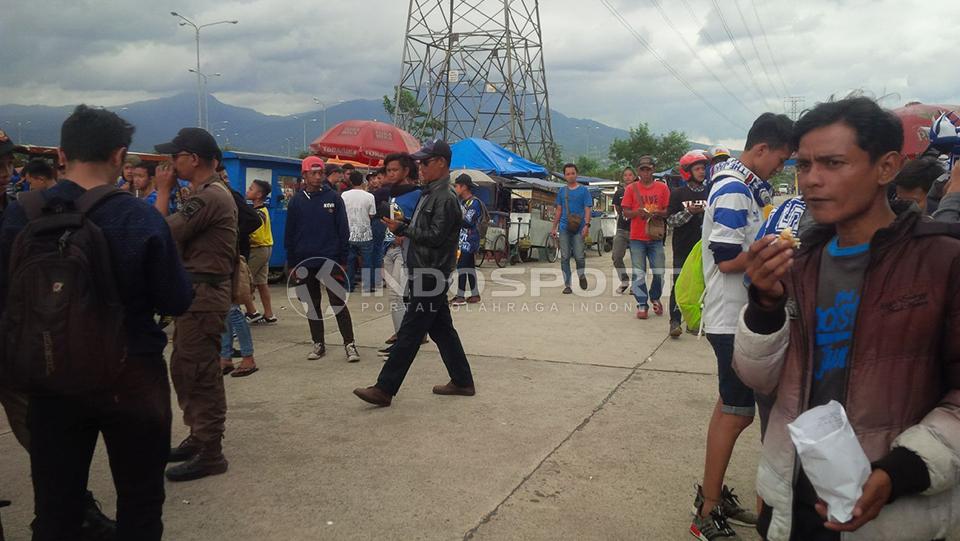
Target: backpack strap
pixel 94 196
pixel 931 228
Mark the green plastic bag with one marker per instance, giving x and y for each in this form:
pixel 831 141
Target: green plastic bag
pixel 690 288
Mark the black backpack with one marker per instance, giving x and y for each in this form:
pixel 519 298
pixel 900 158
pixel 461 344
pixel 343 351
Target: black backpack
pixel 63 328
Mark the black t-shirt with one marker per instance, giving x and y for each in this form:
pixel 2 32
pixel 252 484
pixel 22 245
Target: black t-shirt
pixel 686 235
pixel 622 222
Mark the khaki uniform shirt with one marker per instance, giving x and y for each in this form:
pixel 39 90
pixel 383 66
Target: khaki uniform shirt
pixel 206 234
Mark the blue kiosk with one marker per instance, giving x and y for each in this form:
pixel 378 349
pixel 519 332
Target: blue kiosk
pixel 283 174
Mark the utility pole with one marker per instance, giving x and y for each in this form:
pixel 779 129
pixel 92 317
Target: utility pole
pixel 187 22
pixel 793 106
pixel 476 69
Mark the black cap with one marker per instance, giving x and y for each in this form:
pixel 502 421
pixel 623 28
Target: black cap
pixel 6 144
pixel 332 168
pixel 437 147
pixel 466 181
pixel 194 140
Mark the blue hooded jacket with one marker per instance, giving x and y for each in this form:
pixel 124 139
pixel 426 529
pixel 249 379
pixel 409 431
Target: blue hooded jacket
pixel 316 227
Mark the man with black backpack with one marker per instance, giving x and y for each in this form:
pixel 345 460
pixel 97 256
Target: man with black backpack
pixel 79 334
pixel 206 232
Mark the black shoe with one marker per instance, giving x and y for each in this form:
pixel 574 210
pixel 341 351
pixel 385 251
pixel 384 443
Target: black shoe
pixel 567 290
pixel 583 282
pixel 185 451
pixel 96 526
pixel 235 354
pixel 207 462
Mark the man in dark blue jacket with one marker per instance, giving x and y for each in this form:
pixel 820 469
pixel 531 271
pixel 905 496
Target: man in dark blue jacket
pixel 134 415
pixel 317 238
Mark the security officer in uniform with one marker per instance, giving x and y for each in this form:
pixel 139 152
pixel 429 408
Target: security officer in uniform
pixel 206 233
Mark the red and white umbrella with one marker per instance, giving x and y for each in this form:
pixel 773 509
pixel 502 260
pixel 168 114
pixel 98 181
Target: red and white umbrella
pixel 364 141
pixel 917 118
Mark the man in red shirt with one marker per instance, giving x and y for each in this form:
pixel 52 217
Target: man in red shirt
pixel 645 202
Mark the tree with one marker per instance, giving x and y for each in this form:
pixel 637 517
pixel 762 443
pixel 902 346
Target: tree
pixel 665 149
pixel 420 124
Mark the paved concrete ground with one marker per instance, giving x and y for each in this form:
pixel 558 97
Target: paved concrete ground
pixel 587 424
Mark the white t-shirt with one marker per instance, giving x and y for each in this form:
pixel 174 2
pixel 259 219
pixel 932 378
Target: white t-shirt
pixel 732 218
pixel 360 207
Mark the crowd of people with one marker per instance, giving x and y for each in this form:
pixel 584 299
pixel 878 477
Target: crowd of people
pixel 861 310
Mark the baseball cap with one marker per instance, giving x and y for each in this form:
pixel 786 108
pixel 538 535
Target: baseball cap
pixel 719 151
pixel 311 163
pixel 645 161
pixel 6 144
pixel 194 140
pixel 437 147
pixel 332 168
pixel 465 179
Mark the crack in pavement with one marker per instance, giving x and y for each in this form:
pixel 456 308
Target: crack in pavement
pixel 489 516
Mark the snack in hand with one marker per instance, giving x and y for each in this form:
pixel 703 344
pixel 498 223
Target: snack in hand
pixel 787 236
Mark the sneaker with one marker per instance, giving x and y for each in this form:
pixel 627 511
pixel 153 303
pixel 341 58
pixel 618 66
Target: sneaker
pixel 385 351
pixel 712 527
pixel 254 317
pixel 641 313
pixel 730 506
pixel 458 301
pixel 567 290
pixel 319 350
pixel 657 307
pixel 583 282
pixel 272 320
pixel 352 354
pixel 623 289
pixel 675 329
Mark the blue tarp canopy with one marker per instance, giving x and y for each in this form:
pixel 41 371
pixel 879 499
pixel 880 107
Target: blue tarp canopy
pixel 480 154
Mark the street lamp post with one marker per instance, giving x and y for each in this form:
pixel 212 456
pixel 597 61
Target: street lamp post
pixel 305 129
pixel 187 22
pixel 206 91
pixel 323 108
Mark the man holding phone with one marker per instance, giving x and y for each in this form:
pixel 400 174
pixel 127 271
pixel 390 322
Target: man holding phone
pixel 685 216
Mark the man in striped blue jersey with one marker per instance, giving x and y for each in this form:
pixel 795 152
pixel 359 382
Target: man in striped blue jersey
pixel 733 217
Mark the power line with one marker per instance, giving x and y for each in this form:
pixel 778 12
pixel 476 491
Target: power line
pixel 753 44
pixel 696 55
pixel 667 65
pixel 713 41
pixel 743 60
pixel 773 60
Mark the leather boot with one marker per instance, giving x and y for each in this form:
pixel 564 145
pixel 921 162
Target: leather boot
pixel 185 451
pixel 96 526
pixel 209 461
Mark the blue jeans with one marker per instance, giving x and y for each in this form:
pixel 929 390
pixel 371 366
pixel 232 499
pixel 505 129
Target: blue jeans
pixel 571 242
pixel 236 322
pixel 641 252
pixel 365 250
pixel 376 260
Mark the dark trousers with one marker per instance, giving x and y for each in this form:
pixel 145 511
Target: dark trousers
pixel 427 313
pixel 675 316
pixel 335 285
pixel 467 275
pixel 134 419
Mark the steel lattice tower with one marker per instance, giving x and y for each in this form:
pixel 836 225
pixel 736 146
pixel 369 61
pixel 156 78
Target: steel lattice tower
pixel 476 70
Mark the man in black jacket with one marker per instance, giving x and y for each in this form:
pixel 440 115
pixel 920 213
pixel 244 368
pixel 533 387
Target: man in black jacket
pixel 431 256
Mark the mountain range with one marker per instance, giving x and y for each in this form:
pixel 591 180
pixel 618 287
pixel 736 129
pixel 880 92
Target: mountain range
pixel 241 128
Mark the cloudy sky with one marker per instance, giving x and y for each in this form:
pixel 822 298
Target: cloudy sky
pixel 284 52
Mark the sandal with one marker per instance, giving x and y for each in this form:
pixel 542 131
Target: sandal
pixel 244 371
pixel 226 368
pixel 391 340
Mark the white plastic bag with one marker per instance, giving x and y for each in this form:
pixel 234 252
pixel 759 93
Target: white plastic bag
pixel 832 458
